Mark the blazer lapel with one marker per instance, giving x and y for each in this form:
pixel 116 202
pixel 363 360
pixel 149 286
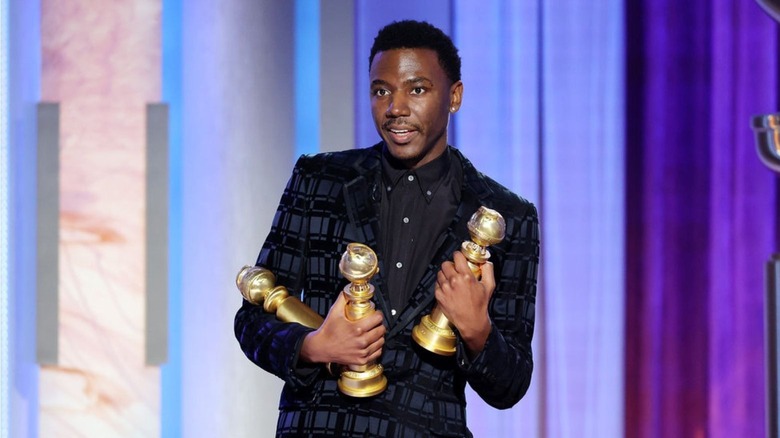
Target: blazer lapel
pixel 361 198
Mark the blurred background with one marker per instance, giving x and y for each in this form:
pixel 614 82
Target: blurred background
pixel 144 145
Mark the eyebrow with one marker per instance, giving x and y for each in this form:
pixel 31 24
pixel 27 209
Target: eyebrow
pixel 417 80
pixel 410 81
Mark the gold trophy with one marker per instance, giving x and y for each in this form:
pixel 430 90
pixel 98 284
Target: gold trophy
pixel 434 332
pixel 358 264
pixel 258 286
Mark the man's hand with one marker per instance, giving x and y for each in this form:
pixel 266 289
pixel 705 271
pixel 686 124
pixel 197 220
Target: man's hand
pixel 464 300
pixel 339 340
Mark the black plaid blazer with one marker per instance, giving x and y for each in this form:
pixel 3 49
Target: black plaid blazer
pixel 332 199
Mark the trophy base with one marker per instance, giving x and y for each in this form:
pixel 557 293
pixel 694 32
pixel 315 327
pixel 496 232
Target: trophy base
pixel 438 340
pixel 362 383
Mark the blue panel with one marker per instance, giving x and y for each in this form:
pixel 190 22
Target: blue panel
pixel 582 214
pixel 172 94
pixel 5 247
pixel 22 35
pixel 498 130
pixel 307 77
pixel 498 123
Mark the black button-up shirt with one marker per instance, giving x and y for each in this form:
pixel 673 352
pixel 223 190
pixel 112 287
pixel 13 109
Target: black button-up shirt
pixel 417 207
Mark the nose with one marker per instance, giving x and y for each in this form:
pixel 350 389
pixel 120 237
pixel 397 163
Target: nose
pixel 398 107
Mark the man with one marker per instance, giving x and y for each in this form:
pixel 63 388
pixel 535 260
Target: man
pixel 408 198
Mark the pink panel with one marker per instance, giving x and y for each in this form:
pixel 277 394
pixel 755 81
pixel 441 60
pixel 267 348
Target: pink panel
pixel 101 61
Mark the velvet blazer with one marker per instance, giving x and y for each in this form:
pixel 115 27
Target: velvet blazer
pixel 333 199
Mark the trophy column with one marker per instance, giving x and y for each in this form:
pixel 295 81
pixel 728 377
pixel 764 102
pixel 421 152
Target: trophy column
pixel 358 264
pixel 434 332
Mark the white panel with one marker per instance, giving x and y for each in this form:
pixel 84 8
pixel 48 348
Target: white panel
pixel 238 147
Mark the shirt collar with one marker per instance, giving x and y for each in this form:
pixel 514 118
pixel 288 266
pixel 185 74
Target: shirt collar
pixel 429 177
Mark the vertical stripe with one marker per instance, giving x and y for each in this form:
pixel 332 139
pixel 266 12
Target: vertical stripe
pixel 156 338
pixel 772 343
pixel 582 220
pixel 47 234
pixel 541 307
pixel 170 376
pixel 337 68
pixel 5 247
pixel 22 87
pixel 307 76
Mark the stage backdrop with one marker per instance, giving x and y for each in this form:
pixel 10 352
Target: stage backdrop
pixel 626 123
pixel 702 217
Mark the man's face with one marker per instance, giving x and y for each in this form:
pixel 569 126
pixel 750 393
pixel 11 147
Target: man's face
pixel 411 101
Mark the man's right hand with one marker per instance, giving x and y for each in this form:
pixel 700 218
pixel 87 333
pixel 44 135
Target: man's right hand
pixel 339 340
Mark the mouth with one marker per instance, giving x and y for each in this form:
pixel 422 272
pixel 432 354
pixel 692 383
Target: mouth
pixel 400 134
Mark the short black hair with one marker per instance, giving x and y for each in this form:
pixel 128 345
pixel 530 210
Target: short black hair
pixel 410 34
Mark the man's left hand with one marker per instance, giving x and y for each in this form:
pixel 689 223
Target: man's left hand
pixel 464 300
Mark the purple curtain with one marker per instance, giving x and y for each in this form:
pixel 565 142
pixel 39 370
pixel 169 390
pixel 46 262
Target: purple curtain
pixel 701 212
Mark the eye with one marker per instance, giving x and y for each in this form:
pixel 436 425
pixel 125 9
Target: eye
pixel 381 92
pixel 418 90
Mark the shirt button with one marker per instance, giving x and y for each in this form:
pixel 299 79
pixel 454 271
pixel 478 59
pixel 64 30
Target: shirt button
pixel 406 220
pixel 399 265
pixel 392 312
pixel 428 193
pixel 389 188
pixel 410 178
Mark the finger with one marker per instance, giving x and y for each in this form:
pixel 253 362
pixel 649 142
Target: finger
pixel 370 321
pixel 441 281
pixel 336 312
pixel 374 357
pixel 448 269
pixel 442 298
pixel 380 317
pixel 340 303
pixel 375 333
pixel 443 292
pixel 488 278
pixel 364 354
pixel 376 346
pixel 461 263
pixel 458 257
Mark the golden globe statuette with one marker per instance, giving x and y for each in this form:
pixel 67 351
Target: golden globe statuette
pixel 358 264
pixel 434 332
pixel 258 286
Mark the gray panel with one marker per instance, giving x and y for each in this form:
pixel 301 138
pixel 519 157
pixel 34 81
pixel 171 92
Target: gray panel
pixel 156 233
pixel 337 75
pixel 48 233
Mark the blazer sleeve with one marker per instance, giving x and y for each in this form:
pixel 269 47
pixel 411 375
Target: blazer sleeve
pixel 501 373
pixel 269 343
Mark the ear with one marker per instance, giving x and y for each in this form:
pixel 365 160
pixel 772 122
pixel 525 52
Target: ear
pixel 456 96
